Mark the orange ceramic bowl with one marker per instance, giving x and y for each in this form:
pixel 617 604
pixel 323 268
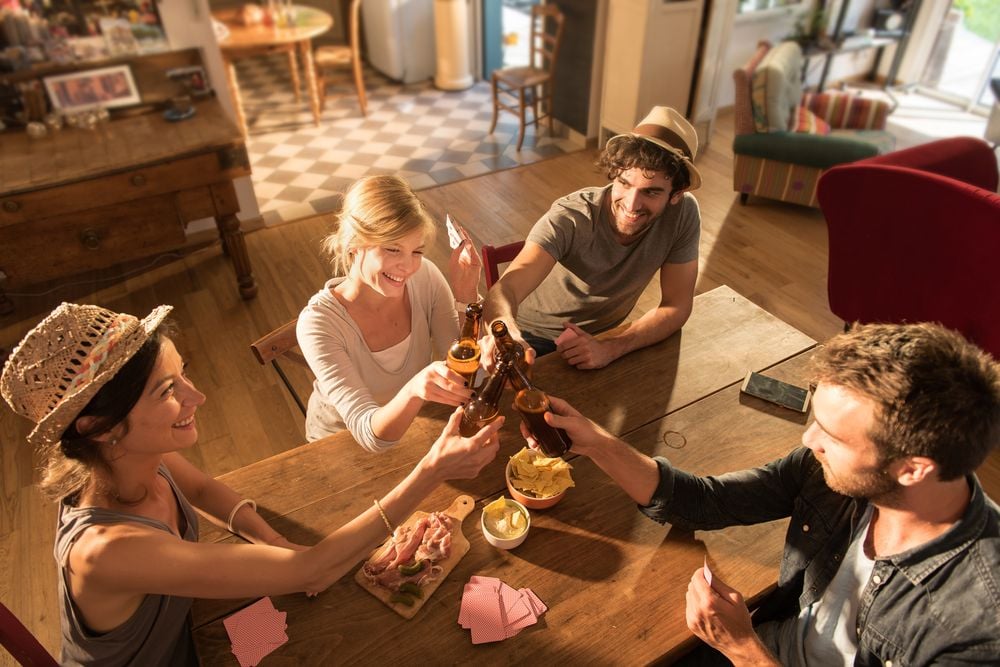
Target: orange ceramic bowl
pixel 529 501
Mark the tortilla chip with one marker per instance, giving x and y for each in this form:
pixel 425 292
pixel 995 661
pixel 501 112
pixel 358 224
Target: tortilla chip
pixel 538 475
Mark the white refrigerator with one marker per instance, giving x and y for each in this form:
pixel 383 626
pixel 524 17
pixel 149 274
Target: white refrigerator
pixel 399 35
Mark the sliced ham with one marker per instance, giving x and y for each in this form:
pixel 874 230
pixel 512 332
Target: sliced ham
pixel 428 539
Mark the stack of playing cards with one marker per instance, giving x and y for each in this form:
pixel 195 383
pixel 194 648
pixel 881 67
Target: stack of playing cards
pixel 256 631
pixel 494 611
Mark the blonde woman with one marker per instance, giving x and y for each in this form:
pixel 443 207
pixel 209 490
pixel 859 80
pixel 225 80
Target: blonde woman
pixel 376 336
pixel 113 409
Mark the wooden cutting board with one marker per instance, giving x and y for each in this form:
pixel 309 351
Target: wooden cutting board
pixel 459 547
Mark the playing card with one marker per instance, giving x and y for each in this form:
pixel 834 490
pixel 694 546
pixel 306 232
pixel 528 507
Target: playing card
pixel 708 574
pixel 256 631
pixel 454 237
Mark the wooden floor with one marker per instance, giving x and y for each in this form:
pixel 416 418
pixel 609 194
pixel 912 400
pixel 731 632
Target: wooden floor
pixel 773 253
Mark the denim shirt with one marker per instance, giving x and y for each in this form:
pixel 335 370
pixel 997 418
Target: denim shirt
pixel 937 603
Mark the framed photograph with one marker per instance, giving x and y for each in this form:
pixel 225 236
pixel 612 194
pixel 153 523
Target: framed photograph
pixel 192 79
pixel 108 87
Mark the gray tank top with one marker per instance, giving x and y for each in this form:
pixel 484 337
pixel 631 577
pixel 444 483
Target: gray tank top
pixel 158 633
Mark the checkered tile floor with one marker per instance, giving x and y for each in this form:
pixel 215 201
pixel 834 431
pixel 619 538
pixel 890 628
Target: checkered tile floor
pixel 427 136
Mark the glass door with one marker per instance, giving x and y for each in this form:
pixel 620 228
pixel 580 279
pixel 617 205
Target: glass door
pixel 965 55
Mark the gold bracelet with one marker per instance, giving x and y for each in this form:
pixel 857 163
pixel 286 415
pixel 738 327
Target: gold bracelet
pixel 236 508
pixel 385 519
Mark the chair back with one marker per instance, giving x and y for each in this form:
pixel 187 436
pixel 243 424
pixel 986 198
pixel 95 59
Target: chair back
pixel 20 643
pixel 278 345
pixel 743 80
pixel 546 35
pixel 908 245
pixel 493 256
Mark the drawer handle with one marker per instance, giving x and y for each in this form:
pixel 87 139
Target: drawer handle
pixel 138 180
pixel 90 239
pixel 11 206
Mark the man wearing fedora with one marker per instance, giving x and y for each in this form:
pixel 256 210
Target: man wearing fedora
pixel 586 262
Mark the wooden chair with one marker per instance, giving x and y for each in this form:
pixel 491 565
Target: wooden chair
pixel 20 643
pixel 342 56
pixel 493 256
pixel 278 344
pixel 517 88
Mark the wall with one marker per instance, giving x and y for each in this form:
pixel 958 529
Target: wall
pixel 188 24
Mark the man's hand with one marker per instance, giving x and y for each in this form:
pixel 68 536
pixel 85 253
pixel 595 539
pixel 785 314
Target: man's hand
pixel 718 615
pixel 582 350
pixel 488 346
pixel 585 434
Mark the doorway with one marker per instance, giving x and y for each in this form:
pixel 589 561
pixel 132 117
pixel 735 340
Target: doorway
pixel 506 34
pixel 966 55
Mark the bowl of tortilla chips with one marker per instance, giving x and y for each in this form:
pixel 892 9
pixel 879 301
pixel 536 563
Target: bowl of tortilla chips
pixel 537 481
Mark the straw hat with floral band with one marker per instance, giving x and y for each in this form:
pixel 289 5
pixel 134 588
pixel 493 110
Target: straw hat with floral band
pixel 64 361
pixel 668 129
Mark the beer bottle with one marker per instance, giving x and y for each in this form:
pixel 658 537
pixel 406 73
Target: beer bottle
pixel 532 403
pixel 463 355
pixel 507 347
pixel 484 407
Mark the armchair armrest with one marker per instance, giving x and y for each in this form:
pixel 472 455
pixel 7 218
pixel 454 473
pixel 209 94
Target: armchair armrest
pixel 966 159
pixel 811 150
pixel 848 112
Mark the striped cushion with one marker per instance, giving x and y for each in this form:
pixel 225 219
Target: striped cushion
pixel 842 110
pixel 810 123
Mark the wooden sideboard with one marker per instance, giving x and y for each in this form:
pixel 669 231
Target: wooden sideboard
pixel 80 200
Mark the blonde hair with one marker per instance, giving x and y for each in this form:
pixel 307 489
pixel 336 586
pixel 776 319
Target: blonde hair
pixel 378 210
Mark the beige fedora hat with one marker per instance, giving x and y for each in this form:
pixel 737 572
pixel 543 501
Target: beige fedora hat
pixel 668 129
pixel 62 363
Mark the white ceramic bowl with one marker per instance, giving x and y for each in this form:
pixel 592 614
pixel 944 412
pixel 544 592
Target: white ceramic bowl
pixel 506 542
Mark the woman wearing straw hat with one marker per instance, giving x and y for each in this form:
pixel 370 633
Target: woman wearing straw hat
pixel 586 262
pixel 376 335
pixel 113 408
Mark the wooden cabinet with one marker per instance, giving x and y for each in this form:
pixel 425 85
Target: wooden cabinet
pixel 649 59
pixel 80 200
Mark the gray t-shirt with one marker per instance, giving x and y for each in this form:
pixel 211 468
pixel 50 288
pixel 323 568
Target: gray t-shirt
pixel 596 280
pixel 158 633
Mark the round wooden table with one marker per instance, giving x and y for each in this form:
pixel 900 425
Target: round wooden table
pixel 244 40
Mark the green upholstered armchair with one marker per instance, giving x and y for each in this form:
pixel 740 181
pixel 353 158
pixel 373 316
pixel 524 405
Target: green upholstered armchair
pixel 785 140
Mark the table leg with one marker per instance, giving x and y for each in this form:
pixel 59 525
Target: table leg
pixel 307 63
pixel 235 245
pixel 293 69
pixel 234 89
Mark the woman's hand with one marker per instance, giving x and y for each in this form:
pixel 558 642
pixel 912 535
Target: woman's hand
pixel 464 269
pixel 455 457
pixel 439 384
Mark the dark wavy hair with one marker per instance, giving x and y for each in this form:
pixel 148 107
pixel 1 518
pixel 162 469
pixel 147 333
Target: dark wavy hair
pixel 628 152
pixel 936 394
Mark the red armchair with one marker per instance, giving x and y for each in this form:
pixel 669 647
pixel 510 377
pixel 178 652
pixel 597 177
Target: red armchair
pixel 914 235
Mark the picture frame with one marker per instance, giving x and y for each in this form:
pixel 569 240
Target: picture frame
pixel 192 80
pixel 107 87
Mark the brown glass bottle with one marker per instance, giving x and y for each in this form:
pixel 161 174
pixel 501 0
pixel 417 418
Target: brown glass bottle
pixel 485 405
pixel 532 403
pixel 507 347
pixel 463 355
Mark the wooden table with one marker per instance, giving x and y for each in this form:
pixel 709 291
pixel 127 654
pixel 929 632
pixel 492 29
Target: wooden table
pixel 614 581
pixel 262 39
pixel 79 200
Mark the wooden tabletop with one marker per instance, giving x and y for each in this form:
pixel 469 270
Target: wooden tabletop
pixel 614 581
pixel 309 22
pixel 72 154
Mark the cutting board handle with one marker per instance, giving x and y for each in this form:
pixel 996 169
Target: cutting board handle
pixel 461 507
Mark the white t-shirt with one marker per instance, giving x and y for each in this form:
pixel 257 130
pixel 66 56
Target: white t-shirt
pixel 352 382
pixel 825 633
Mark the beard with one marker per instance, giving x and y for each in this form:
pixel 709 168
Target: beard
pixel 873 484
